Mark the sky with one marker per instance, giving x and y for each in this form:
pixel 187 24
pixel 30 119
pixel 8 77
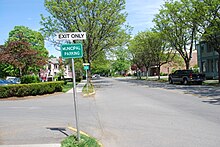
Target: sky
pixel 27 13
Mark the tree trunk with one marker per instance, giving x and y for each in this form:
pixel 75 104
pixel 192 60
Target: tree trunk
pixel 147 72
pixel 158 72
pixel 187 64
pixel 89 73
pixel 20 72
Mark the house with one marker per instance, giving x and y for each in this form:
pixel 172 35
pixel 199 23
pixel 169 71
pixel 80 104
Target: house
pixel 207 60
pixel 53 68
pixel 172 66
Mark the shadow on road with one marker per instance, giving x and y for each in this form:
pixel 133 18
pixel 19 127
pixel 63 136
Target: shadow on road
pixel 100 83
pixel 211 92
pixel 62 130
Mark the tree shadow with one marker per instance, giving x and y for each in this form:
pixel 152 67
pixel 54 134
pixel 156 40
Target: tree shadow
pixel 100 83
pixel 213 101
pixel 199 90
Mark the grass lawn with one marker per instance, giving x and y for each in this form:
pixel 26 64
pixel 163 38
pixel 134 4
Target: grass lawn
pixel 211 82
pixel 68 86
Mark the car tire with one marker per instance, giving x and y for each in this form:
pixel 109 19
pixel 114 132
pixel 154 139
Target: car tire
pixel 185 81
pixel 170 81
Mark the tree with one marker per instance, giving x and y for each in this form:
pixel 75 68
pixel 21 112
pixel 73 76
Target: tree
pixel 101 65
pixel 34 38
pixel 20 55
pixel 102 21
pixel 161 50
pixel 141 55
pixel 150 49
pixel 7 69
pixel 121 62
pixel 25 38
pixel 178 21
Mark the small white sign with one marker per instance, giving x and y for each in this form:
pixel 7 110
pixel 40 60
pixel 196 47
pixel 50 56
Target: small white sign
pixel 71 36
pixel 85 64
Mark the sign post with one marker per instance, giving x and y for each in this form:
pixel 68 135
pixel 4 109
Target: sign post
pixel 86 67
pixel 73 51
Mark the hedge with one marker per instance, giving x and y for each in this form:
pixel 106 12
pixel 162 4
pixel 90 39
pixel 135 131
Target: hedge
pixel 20 90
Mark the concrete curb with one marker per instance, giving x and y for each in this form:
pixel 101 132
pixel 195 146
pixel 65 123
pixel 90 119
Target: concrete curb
pixel 81 132
pixel 93 93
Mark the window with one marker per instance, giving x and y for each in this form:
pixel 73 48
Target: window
pixel 202 49
pixel 209 48
pixel 203 66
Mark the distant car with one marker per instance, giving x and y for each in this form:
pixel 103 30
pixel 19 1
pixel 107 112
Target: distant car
pixel 186 77
pixel 96 76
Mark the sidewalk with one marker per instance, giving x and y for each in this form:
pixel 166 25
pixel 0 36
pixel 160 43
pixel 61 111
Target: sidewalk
pixel 79 87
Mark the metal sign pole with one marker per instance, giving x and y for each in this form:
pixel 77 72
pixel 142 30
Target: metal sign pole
pixel 75 100
pixel 87 80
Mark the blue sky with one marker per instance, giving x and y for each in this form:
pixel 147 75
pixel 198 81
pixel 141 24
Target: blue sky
pixel 27 13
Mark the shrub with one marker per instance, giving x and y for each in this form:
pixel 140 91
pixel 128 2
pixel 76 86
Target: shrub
pixel 163 74
pixel 78 78
pixel 29 79
pixel 33 89
pixel 85 141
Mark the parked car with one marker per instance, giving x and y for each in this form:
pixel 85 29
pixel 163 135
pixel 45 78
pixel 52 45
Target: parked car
pixel 4 82
pixel 186 77
pixel 13 80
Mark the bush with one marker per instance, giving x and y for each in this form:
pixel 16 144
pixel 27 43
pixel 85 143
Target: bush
pixel 78 78
pixel 163 74
pixel 20 90
pixel 29 79
pixel 85 141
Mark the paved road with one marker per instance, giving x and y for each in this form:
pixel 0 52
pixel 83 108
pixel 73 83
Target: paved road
pixel 148 114
pixel 123 113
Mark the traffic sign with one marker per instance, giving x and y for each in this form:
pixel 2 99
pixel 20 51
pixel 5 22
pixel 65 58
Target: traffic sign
pixel 71 36
pixel 72 50
pixel 86 67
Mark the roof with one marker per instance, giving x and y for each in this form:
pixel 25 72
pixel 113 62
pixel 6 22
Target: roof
pixel 54 60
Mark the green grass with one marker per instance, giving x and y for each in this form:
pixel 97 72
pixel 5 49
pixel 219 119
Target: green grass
pixel 89 90
pixel 85 141
pixel 211 82
pixel 67 87
pixel 156 79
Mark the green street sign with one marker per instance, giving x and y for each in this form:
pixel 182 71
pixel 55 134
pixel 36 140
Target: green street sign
pixel 71 50
pixel 86 67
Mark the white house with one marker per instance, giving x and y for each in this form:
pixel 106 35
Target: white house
pixel 53 68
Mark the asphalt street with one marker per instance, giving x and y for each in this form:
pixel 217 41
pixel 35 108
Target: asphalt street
pixel 122 113
pixel 150 114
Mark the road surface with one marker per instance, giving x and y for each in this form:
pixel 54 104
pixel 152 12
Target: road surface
pixel 123 113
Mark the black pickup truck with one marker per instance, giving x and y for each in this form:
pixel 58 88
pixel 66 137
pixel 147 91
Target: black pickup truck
pixel 186 77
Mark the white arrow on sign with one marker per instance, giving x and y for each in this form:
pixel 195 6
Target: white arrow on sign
pixel 71 36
